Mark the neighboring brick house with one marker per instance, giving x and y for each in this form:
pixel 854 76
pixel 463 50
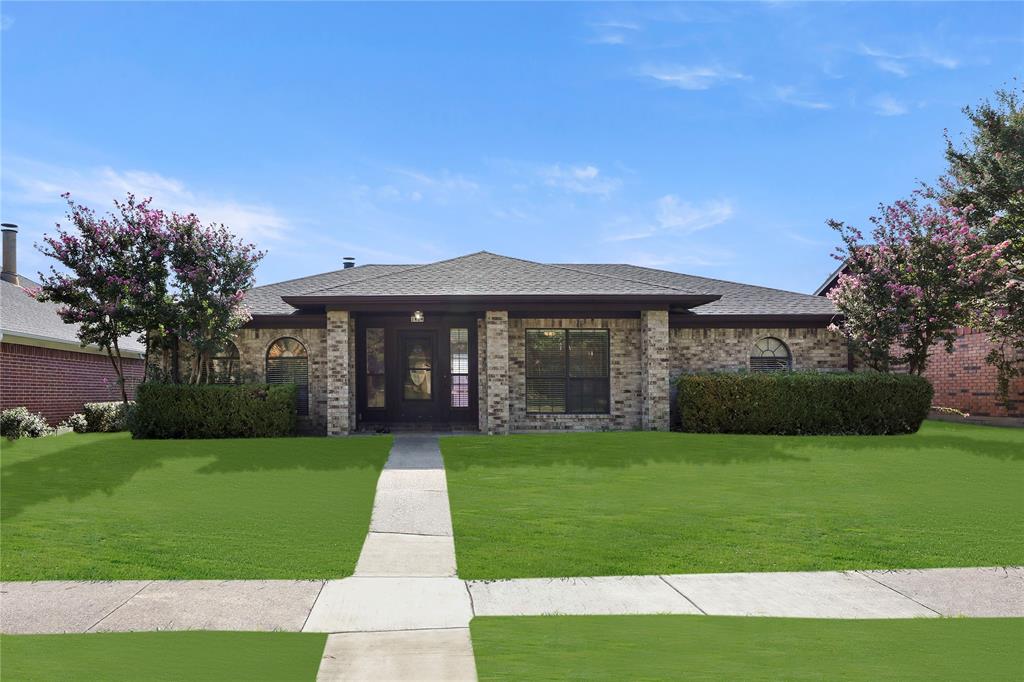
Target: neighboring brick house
pixel 496 344
pixel 42 364
pixel 962 379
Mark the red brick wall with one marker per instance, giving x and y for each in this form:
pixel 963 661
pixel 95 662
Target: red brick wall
pixel 57 382
pixel 962 379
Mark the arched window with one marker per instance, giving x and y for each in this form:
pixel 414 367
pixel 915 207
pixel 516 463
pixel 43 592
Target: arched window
pixel 288 363
pixel 225 366
pixel 770 355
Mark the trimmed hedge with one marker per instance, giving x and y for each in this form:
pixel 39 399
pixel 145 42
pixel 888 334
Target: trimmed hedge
pixel 789 403
pixel 107 417
pixel 214 411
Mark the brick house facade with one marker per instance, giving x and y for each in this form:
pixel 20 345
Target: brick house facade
pixel 500 345
pixel 962 379
pixel 42 364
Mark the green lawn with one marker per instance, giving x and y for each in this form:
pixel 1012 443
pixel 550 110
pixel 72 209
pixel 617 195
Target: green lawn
pixel 628 503
pixel 723 648
pixel 104 506
pixel 162 656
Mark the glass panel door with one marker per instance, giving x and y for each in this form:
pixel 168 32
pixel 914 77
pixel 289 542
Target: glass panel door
pixel 418 374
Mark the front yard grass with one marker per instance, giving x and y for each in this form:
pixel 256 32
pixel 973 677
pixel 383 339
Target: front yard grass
pixel 163 656
pixel 106 507
pixel 586 504
pixel 730 648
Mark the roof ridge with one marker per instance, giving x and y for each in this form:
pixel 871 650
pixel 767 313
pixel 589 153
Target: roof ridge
pixel 569 266
pixel 708 279
pixel 331 272
pixel 386 274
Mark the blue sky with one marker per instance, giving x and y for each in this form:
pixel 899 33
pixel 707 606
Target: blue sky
pixel 710 139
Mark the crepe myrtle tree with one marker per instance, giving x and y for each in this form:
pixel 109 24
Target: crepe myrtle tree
pixel 113 273
pixel 211 270
pixel 922 274
pixel 139 270
pixel 986 174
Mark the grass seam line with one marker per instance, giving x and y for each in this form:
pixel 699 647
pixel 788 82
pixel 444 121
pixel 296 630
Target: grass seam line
pixel 472 605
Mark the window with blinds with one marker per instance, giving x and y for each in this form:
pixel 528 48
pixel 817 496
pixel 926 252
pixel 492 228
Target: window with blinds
pixel 567 371
pixel 770 355
pixel 458 344
pixel 288 363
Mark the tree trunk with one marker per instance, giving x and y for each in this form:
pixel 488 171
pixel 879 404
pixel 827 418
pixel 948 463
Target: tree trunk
pixel 175 359
pixel 118 369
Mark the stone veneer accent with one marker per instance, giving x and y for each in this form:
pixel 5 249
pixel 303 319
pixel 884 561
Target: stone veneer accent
pixel 496 350
pixel 654 370
pixel 252 351
pixel 624 376
pixel 340 375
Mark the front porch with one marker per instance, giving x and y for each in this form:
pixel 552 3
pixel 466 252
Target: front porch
pixel 437 370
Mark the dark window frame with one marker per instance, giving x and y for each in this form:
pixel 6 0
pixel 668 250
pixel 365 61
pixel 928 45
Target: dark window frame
pixel 234 361
pixel 567 377
pixel 302 398
pixel 760 358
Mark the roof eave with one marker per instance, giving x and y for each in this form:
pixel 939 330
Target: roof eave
pixel 506 301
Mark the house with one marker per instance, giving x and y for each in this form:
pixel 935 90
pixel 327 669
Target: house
pixel 496 344
pixel 962 379
pixel 43 366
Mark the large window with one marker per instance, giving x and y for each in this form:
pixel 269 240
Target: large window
pixel 567 371
pixel 770 355
pixel 288 363
pixel 224 365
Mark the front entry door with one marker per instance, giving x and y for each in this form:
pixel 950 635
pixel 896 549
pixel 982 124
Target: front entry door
pixel 418 390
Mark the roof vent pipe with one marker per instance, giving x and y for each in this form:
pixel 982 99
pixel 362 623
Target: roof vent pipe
pixel 347 262
pixel 10 266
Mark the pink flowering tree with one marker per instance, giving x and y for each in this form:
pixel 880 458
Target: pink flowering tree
pixel 211 272
pixel 112 276
pixel 923 273
pixel 141 271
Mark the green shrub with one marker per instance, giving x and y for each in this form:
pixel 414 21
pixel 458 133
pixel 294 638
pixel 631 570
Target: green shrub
pixel 803 403
pixel 107 417
pixel 76 422
pixel 214 411
pixel 18 422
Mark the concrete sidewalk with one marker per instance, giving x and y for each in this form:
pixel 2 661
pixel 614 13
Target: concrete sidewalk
pixel 393 604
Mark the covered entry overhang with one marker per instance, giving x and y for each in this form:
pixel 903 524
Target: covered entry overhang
pixel 414 360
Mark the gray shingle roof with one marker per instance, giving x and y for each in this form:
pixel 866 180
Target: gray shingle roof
pixel 266 300
pixel 22 315
pixel 737 299
pixel 488 274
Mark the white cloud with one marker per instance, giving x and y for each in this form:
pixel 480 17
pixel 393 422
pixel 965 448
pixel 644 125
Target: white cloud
pixel 886 105
pixel 673 216
pixel 897 62
pixel 789 95
pixel 894 67
pixel 691 77
pixel 579 179
pixel 6 21
pixel 37 183
pixel 691 257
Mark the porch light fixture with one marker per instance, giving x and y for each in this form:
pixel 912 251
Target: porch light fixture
pixel 417 316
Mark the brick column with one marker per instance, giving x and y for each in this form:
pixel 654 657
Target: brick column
pixel 654 363
pixel 339 376
pixel 497 371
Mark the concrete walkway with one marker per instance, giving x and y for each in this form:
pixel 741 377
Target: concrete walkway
pixel 403 615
